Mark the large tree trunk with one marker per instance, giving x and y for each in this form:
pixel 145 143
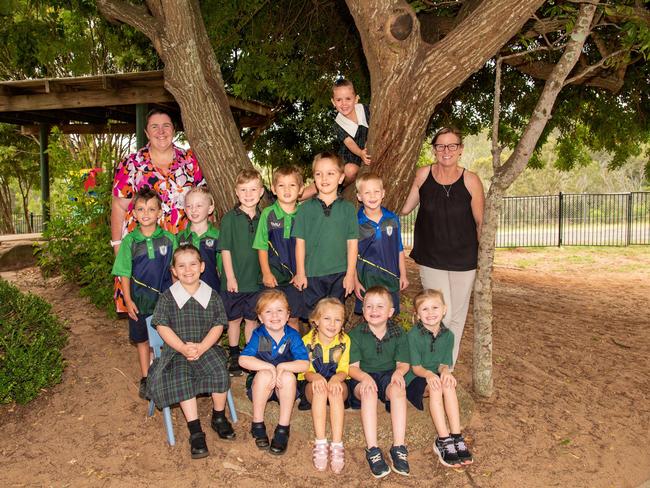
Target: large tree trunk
pixel 410 77
pixel 504 175
pixel 6 209
pixel 193 77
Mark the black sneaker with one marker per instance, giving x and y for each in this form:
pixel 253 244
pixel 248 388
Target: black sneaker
pixel 198 447
pixel 377 463
pixel 233 366
pixel 399 457
pixel 461 449
pixel 142 391
pixel 222 427
pixel 446 451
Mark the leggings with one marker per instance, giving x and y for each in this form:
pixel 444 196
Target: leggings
pixel 456 286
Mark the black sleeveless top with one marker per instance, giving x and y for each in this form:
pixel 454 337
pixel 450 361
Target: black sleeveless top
pixel 445 230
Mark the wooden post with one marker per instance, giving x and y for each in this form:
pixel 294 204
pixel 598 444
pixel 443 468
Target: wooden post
pixel 45 173
pixel 140 124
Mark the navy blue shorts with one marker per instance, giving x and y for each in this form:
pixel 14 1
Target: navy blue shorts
pixel 304 403
pixel 240 305
pixel 249 389
pixel 320 287
pixel 415 392
pixel 382 379
pixel 295 299
pixel 358 304
pixel 138 329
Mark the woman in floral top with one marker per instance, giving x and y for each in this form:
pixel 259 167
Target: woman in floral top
pixel 167 169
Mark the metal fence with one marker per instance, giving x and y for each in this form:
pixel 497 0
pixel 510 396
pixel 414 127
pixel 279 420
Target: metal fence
pixel 22 226
pixel 567 219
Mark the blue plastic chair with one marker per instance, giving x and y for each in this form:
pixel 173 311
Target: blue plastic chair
pixel 156 343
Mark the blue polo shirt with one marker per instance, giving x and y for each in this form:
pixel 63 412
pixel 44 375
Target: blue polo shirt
pixel 263 346
pixel 379 246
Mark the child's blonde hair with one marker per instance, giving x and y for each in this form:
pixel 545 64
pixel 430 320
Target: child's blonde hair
pixel 268 296
pixel 287 171
pixel 424 295
pixel 328 155
pixel 201 190
pixel 379 291
pixel 365 177
pixel 318 312
pixel 246 175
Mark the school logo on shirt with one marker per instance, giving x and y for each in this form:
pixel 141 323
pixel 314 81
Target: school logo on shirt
pixel 163 250
pixel 282 348
pixel 389 230
pixel 275 224
pixel 209 243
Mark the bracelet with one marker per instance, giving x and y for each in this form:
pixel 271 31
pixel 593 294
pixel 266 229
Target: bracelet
pixel 116 243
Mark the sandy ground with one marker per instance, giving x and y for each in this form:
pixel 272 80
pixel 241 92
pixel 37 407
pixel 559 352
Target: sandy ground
pixel 572 363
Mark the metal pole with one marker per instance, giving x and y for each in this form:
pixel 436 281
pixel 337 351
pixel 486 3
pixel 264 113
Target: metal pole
pixel 44 131
pixel 140 124
pixel 628 239
pixel 559 218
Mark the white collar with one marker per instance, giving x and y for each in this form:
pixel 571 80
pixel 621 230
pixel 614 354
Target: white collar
pixel 181 296
pixel 350 127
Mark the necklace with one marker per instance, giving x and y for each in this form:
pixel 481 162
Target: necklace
pixel 447 190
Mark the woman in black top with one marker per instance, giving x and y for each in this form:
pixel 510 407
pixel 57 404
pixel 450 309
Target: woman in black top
pixel 447 227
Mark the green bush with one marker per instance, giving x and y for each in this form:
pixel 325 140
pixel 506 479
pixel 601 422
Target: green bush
pixel 77 242
pixel 31 339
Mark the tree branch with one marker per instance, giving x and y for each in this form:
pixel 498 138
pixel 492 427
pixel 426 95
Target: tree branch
pixel 496 149
pixel 137 16
pixel 583 74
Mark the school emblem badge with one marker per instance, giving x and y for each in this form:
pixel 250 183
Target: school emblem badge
pixel 389 230
pixel 209 242
pixel 163 250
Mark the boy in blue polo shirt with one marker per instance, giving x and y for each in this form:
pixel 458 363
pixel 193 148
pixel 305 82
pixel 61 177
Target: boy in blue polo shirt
pixel 241 266
pixel 274 355
pixel 143 262
pixel 327 235
pixel 275 246
pixel 381 260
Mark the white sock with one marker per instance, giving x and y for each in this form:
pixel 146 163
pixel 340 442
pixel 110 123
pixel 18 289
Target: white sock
pixel 337 444
pixel 320 441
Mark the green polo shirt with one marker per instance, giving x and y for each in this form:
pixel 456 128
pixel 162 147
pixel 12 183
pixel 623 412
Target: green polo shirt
pixel 375 355
pixel 237 235
pixel 430 351
pixel 326 231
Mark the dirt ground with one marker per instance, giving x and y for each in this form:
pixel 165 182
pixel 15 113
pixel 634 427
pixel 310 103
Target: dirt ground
pixel 572 363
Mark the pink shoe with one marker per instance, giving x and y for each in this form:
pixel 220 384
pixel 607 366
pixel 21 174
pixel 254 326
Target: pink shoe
pixel 319 455
pixel 337 458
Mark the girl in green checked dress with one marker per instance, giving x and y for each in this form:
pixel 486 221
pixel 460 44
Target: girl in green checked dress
pixel 190 317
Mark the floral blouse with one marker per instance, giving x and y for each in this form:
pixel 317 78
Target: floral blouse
pixel 137 171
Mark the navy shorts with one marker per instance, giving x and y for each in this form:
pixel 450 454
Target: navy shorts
pixel 358 304
pixel 382 379
pixel 295 299
pixel 240 305
pixel 415 392
pixel 138 329
pixel 320 287
pixel 304 403
pixel 249 389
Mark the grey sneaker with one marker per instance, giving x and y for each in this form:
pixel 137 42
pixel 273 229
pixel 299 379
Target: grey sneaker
pixel 377 463
pixel 461 449
pixel 399 457
pixel 446 451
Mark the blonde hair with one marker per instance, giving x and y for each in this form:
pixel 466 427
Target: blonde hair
pixel 328 155
pixel 318 312
pixel 201 190
pixel 379 291
pixel 268 296
pixel 287 171
pixel 448 130
pixel 365 177
pixel 425 295
pixel 246 175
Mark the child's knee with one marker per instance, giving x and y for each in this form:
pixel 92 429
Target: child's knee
pixel 287 380
pixel 394 393
pixel 263 378
pixel 350 171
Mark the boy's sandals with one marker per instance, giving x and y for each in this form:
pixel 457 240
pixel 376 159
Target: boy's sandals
pixel 319 455
pixel 337 458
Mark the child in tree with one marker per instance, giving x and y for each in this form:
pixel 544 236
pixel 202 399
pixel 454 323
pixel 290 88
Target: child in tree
pixel 143 262
pixel 274 354
pixel 431 346
pixel 190 317
pixel 329 359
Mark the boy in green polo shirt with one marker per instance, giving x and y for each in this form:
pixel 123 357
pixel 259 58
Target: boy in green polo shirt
pixel 142 262
pixel 241 267
pixel 275 246
pixel 379 368
pixel 327 235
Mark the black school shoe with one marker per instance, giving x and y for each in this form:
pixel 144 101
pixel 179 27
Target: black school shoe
pixel 258 431
pixel 198 447
pixel 377 463
pixel 233 366
pixel 280 440
pixel 223 427
pixel 399 457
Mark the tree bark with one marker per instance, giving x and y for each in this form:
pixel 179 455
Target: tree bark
pixel 6 208
pixel 504 175
pixel 193 77
pixel 409 76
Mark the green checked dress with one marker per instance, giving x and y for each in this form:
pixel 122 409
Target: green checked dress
pixel 172 378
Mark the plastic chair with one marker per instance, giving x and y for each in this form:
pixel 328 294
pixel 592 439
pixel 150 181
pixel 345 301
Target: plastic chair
pixel 156 343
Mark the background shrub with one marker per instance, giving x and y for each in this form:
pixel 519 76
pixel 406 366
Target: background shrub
pixel 31 338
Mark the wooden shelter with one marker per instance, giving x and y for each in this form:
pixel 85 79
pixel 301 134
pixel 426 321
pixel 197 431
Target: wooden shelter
pixel 100 104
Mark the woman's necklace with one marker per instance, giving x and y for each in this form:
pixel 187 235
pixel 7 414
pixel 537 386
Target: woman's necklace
pixel 447 190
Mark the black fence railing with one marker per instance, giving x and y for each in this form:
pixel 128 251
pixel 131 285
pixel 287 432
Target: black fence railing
pixel 567 219
pixel 33 224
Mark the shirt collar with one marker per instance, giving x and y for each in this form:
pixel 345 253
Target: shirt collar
pixel 181 295
pixel 211 232
pixel 348 125
pixel 363 218
pixel 327 209
pixel 139 236
pixel 239 211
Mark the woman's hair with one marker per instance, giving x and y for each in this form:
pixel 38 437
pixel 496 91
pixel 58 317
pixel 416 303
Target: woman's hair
pixel 186 248
pixel 328 155
pixel 287 171
pixel 424 295
pixel 201 190
pixel 268 296
pixel 318 312
pixel 160 111
pixel 447 130
pixel 146 193
pixel 246 175
pixel 343 82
